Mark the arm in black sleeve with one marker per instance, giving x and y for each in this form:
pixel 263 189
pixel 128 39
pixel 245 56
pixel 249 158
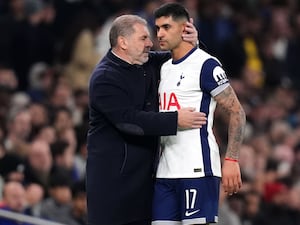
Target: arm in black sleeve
pixel 111 98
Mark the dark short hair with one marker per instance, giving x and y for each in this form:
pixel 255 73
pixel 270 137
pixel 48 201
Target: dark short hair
pixel 58 148
pixel 60 177
pixel 175 10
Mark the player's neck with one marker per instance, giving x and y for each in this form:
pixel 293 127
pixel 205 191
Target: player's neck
pixel 181 50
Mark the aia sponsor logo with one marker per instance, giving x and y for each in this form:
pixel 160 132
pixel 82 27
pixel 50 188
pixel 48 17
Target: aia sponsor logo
pixel 168 101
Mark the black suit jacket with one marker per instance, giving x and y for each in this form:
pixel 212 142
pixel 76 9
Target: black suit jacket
pixel 123 139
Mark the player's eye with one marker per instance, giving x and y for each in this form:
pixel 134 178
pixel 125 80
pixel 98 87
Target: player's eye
pixel 166 26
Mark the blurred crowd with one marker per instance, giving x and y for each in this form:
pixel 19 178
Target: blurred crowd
pixel 48 49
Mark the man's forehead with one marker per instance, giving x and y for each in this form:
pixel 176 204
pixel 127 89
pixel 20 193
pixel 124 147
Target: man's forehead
pixel 164 20
pixel 141 29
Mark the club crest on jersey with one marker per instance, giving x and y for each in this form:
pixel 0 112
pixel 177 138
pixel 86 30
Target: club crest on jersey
pixel 168 102
pixel 181 77
pixel 220 75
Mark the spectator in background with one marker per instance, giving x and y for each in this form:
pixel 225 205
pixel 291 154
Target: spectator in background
pixel 39 164
pixel 60 207
pixel 62 120
pixel 251 207
pixel 18 131
pixel 69 135
pixel 79 207
pixel 60 96
pixel 34 196
pixel 45 133
pixel 14 199
pixel 11 166
pixel 39 117
pixel 41 80
pixel 57 206
pixel 58 151
pixel 8 77
pixel 64 158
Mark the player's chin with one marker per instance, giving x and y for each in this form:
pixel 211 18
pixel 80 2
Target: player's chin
pixel 163 47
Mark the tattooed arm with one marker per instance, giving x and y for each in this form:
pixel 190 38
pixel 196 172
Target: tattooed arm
pixel 229 103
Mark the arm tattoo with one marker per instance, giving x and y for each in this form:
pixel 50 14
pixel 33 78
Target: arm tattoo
pixel 230 104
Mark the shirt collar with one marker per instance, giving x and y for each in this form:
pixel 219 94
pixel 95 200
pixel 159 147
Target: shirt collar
pixel 112 56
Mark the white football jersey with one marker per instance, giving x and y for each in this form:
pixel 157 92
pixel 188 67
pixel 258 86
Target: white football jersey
pixel 192 81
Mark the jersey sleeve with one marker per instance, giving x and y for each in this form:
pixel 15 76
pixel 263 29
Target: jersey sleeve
pixel 213 78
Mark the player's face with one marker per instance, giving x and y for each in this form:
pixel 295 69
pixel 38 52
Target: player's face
pixel 169 32
pixel 139 45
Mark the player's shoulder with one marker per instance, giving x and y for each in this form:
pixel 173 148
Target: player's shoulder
pixel 204 56
pixel 167 63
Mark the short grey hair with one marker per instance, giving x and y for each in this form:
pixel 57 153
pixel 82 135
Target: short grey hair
pixel 123 26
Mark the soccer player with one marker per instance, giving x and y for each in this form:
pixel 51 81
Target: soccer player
pixel 189 169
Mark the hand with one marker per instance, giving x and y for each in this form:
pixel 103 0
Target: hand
pixel 189 118
pixel 191 33
pixel 231 177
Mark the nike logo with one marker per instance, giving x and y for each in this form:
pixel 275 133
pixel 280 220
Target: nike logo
pixel 187 213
